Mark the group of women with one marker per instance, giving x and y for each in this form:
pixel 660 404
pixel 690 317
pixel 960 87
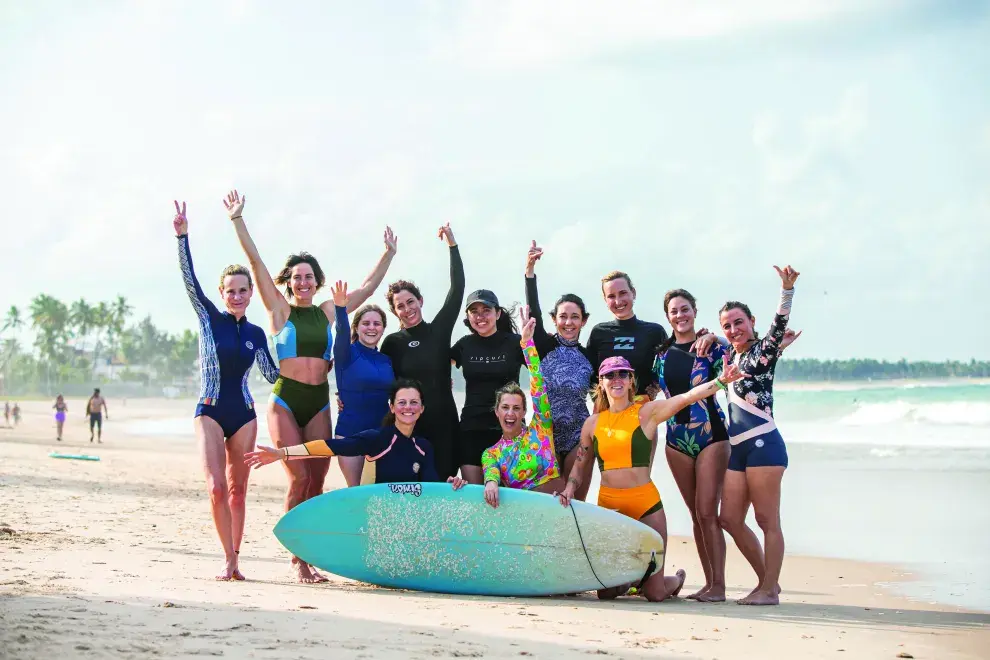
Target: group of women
pixel 398 421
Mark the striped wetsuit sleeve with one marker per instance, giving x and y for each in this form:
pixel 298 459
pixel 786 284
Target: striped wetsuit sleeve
pixel 490 462
pixel 770 345
pixel 266 365
pixel 202 304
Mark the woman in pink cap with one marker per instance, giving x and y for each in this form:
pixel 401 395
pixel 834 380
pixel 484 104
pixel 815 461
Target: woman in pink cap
pixel 620 435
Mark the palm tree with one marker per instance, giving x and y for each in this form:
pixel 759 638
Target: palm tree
pixel 81 318
pixel 13 320
pixel 101 327
pixel 119 311
pixel 50 318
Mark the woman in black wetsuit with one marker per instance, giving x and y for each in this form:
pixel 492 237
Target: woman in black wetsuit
pixel 490 359
pixel 420 350
pixel 626 335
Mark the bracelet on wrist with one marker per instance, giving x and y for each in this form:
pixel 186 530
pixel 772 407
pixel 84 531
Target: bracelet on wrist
pixel 237 217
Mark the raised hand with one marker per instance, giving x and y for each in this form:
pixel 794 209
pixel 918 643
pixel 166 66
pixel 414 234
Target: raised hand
pixel 447 234
pixel 528 324
pixel 180 223
pixel 391 241
pixel 339 292
pixel 234 204
pixel 534 254
pixel 788 276
pixel 262 456
pixel 789 338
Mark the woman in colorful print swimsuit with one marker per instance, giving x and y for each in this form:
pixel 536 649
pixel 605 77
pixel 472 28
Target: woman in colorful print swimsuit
pixel 566 368
pixel 523 457
pixel 758 457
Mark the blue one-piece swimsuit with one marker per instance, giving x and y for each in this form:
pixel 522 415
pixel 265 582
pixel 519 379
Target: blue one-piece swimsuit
pixel 227 348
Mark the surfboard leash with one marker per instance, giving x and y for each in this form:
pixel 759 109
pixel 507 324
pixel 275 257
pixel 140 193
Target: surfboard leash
pixel 585 548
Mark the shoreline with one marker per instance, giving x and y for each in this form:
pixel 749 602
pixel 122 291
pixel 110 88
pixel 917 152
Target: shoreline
pixel 116 558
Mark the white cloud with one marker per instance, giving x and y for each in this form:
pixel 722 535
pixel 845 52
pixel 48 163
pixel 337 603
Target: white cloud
pixel 518 34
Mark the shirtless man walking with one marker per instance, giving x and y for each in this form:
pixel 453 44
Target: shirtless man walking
pixel 95 408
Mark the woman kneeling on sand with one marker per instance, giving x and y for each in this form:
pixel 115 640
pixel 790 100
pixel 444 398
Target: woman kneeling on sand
pixel 399 455
pixel 618 434
pixel 523 457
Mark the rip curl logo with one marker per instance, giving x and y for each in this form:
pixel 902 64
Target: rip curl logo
pixel 624 344
pixel 414 343
pixel 406 489
pixel 759 443
pixel 250 345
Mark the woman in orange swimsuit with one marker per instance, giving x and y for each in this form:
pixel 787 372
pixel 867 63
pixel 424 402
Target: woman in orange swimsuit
pixel 620 434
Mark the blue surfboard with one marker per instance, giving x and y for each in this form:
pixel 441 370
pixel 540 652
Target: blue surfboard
pixel 78 457
pixel 428 537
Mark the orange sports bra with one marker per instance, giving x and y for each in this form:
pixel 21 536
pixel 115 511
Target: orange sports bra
pixel 620 441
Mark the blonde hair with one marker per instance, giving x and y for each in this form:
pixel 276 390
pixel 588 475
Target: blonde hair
pixel 600 397
pixel 617 275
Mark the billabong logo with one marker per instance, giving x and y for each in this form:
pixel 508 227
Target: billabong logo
pixel 624 344
pixel 406 489
pixel 759 443
pixel 249 345
pixel 414 343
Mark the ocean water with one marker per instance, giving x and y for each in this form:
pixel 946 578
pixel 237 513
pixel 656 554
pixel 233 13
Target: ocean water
pixel 897 474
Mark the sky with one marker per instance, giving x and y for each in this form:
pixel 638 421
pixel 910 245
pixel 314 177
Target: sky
pixel 691 144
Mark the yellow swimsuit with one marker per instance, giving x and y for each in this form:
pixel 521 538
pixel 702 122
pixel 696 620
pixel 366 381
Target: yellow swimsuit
pixel 620 442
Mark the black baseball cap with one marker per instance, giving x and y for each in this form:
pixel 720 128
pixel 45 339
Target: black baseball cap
pixel 484 296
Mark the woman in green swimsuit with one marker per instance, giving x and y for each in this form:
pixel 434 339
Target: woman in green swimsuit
pixel 299 406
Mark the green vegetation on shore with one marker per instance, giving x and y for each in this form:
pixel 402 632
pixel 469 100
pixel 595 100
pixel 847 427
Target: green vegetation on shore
pixel 80 345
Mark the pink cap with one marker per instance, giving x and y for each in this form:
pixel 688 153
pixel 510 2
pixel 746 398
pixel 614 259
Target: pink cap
pixel 615 363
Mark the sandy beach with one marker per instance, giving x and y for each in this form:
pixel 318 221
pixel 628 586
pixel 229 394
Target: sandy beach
pixel 116 559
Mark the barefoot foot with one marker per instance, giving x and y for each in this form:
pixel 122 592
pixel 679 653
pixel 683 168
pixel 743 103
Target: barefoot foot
pixel 237 575
pixel 228 571
pixel 713 595
pixel 699 593
pixel 681 576
pixel 760 598
pixel 306 574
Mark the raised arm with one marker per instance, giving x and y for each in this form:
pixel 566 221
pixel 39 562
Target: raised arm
pixel 773 341
pixel 203 306
pixel 271 297
pixel 542 421
pixel 342 327
pixel 449 312
pixel 374 280
pixel 543 341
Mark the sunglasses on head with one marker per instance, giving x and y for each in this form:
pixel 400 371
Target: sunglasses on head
pixel 621 375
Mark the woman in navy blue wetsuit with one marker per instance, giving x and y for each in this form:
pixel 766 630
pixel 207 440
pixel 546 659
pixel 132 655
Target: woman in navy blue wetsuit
pixel 758 456
pixel 225 421
pixel 364 375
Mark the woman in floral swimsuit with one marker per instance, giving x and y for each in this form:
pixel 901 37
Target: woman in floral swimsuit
pixel 758 457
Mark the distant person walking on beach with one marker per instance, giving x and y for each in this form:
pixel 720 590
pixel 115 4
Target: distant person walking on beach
pixel 16 412
pixel 60 410
pixel 6 413
pixel 95 408
pixel 225 421
pixel 758 457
